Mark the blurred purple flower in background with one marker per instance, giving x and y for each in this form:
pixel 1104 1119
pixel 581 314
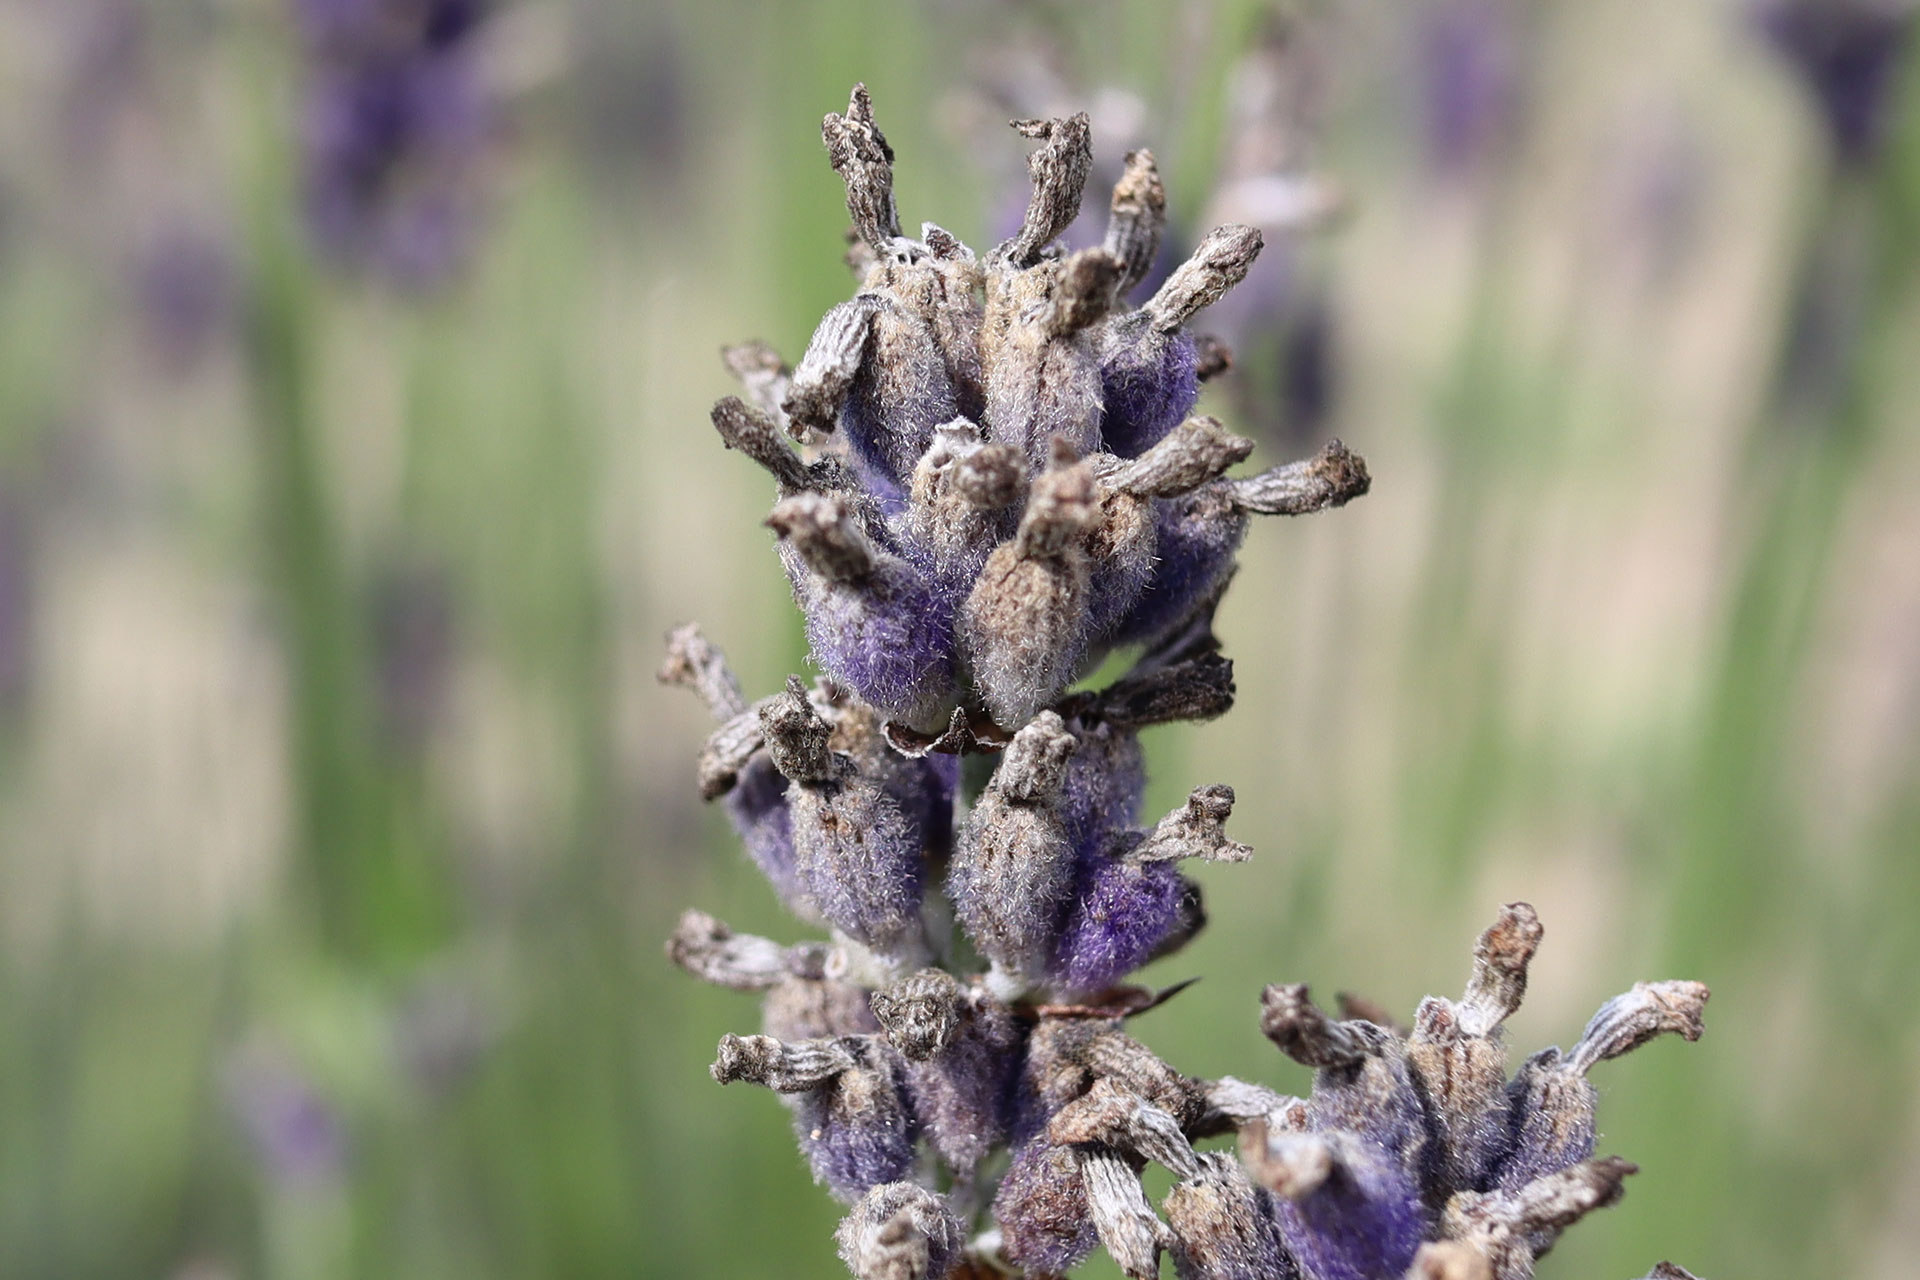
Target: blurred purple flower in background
pixel 106 49
pixel 183 286
pixel 1468 72
pixel 1280 327
pixel 1847 53
pixel 396 124
pixel 413 643
pixel 295 1135
pixel 442 1030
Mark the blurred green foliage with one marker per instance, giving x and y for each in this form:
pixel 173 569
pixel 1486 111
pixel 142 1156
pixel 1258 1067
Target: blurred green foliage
pixel 1629 627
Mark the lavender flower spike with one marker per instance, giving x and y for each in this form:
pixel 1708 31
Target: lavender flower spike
pixel 1010 489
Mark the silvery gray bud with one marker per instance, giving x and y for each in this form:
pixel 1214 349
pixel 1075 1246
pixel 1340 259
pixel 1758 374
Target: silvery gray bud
pixel 1013 868
pixel 1040 354
pixel 1553 1102
pixel 901 1231
pixel 849 1110
pixel 1514 1228
pixel 857 857
pixel 1223 1227
pixel 1023 629
pixel 1456 1056
pixel 963 501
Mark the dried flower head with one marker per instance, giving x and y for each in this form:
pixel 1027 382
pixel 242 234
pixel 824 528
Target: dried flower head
pixel 1001 482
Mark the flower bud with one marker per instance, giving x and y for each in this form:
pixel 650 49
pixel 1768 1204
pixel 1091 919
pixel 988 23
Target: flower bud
pixel 1346 1209
pixel 1198 533
pixel 1023 629
pixel 876 625
pixel 873 372
pixel 735 764
pixel 1013 868
pixel 962 1051
pixel 849 1110
pixel 963 503
pixel 1223 1227
pixel 1041 1206
pixel 856 856
pixel 1040 355
pixel 1552 1101
pixel 1131 906
pixel 1361 1084
pixel 901 1231
pixel 1456 1056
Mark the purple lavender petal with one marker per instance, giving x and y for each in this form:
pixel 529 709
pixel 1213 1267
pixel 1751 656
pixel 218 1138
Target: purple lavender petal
pixel 1149 381
pixel 1196 538
pixel 1042 1209
pixel 1121 917
pixel 757 807
pixel 890 640
pixel 1105 781
pixel 1363 1223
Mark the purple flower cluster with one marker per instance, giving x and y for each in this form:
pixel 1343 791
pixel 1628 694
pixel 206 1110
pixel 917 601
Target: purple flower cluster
pixel 1848 55
pixel 395 128
pixel 1003 484
pixel 1848 52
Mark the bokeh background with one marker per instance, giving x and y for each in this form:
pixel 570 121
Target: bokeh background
pixel 354 365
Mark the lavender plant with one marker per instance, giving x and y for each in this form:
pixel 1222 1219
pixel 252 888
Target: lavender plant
pixel 1002 484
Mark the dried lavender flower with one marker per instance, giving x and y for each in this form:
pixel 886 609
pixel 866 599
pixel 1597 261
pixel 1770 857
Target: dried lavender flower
pixel 849 1109
pixel 900 1231
pixel 999 481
